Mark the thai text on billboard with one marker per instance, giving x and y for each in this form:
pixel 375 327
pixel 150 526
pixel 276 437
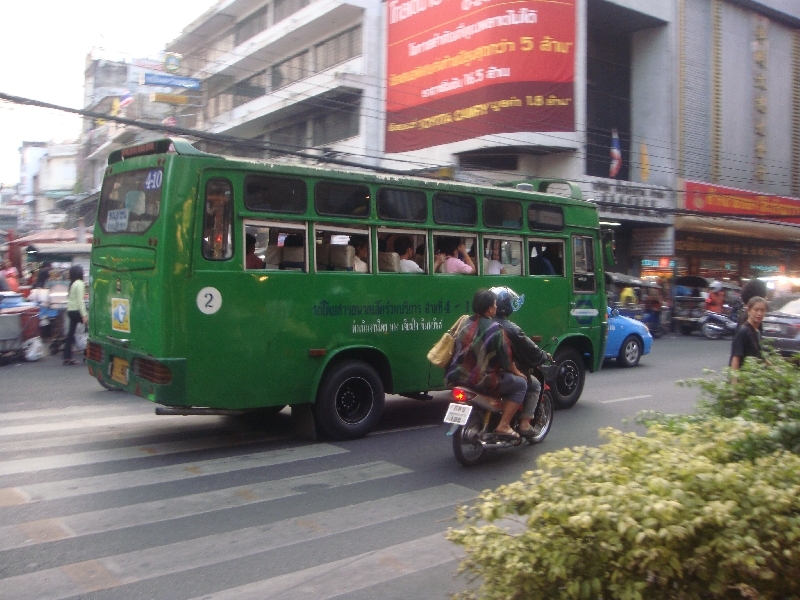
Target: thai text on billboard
pixel 460 69
pixel 709 198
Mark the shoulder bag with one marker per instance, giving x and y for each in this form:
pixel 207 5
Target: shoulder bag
pixel 442 352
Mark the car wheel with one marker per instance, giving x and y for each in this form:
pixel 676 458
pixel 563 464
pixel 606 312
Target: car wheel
pixel 569 378
pixel 349 400
pixel 630 353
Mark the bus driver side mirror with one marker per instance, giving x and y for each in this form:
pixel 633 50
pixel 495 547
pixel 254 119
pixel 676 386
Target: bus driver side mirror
pixel 609 247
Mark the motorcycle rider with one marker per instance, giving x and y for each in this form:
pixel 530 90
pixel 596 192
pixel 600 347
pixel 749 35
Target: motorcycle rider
pixel 716 298
pixel 526 354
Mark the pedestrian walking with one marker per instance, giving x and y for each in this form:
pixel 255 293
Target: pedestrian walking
pixel 747 341
pixel 76 310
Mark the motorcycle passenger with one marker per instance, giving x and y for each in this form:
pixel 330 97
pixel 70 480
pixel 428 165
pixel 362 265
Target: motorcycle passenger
pixel 525 352
pixel 482 360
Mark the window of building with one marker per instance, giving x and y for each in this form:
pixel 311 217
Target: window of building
pixel 292 137
pixel 546 257
pixel 402 205
pixel 337 49
pixel 341 199
pixel 255 23
pixel 503 214
pixel 339 122
pixel 583 276
pixel 502 256
pixel 545 218
pixel 290 70
pixel 285 8
pixel 218 220
pixel 449 209
pixel 277 246
pixel 250 88
pixel 275 194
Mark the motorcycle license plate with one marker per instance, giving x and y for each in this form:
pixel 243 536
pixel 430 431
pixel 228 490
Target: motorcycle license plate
pixel 119 370
pixel 458 413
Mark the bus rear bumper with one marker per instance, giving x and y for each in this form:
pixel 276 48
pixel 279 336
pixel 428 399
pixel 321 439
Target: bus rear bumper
pixel 160 380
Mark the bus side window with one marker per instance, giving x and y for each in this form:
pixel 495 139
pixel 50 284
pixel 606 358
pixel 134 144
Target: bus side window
pixel 397 251
pixel 583 275
pixel 545 258
pixel 502 257
pixel 346 249
pixel 218 220
pixel 455 254
pixel 277 247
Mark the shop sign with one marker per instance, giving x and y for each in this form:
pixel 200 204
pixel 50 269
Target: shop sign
pixel 169 98
pixel 653 241
pixel 165 80
pixel 732 249
pixel 460 69
pixel 713 199
pixel 629 201
pixel 662 263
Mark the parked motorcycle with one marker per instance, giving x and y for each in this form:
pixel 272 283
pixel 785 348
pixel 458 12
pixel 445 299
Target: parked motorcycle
pixel 475 416
pixel 716 325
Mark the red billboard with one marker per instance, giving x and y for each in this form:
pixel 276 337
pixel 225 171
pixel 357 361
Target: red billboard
pixel 709 198
pixel 460 69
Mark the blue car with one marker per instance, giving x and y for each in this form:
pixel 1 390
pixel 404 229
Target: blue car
pixel 628 339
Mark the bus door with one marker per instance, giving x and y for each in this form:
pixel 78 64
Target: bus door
pixel 585 307
pixel 547 269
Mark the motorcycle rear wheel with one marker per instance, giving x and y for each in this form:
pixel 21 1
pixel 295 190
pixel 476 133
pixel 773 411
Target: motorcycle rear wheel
pixel 712 331
pixel 466 440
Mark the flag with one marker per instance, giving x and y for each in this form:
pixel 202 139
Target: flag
pixel 616 155
pixel 125 99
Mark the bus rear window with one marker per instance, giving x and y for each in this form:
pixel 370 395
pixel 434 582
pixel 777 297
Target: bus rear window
pixel 130 202
pixel 275 194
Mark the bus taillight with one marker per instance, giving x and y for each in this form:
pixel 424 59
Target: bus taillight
pixel 151 370
pixel 94 351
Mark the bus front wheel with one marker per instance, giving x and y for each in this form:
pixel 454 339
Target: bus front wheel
pixel 568 384
pixel 349 401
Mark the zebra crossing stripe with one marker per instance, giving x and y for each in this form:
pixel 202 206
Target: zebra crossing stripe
pixel 100 521
pixel 53 490
pixel 76 459
pixel 60 413
pixel 114 571
pixel 37 428
pixel 349 574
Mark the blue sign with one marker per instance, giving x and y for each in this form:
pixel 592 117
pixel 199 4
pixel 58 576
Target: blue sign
pixel 171 81
pixel 153 180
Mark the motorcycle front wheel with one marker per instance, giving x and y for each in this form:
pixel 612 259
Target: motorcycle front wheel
pixel 466 440
pixel 712 331
pixel 543 420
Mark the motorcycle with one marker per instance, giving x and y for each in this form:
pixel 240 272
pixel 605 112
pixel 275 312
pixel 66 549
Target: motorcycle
pixel 716 325
pixel 473 418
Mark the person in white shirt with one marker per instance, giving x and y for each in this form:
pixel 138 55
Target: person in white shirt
pixel 405 248
pixel 361 244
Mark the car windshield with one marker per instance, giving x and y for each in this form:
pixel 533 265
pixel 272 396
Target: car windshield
pixel 791 308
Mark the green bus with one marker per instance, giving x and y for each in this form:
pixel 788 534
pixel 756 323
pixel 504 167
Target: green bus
pixel 224 284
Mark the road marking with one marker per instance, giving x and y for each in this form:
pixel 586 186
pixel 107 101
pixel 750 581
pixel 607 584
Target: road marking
pixel 76 424
pixel 403 429
pixel 349 574
pixel 101 521
pixel 149 563
pixel 60 461
pixel 626 399
pixel 67 488
pixel 60 413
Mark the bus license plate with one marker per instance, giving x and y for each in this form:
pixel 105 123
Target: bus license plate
pixel 458 413
pixel 119 370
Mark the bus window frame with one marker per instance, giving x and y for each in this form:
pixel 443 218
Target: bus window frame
pixel 367 230
pixel 593 272
pixel 522 212
pixel 409 232
pixel 380 188
pixel 504 238
pixel 272 211
pixel 231 217
pixel 371 204
pixel 458 234
pixel 300 226
pixel 542 240
pixel 474 197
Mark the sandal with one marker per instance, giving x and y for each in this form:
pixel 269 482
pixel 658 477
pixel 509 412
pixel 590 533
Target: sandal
pixel 508 435
pixel 69 362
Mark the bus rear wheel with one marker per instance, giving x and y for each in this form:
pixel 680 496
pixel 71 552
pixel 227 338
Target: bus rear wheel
pixel 349 401
pixel 568 384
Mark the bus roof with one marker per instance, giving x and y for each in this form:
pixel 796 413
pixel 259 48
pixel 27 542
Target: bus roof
pixel 518 188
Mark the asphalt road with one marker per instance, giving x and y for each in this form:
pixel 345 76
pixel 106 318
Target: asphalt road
pixel 99 498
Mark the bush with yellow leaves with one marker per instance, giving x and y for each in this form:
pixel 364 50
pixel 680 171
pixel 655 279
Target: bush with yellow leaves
pixel 671 515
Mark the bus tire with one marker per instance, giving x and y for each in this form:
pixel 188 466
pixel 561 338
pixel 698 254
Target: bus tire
pixel 567 386
pixel 349 400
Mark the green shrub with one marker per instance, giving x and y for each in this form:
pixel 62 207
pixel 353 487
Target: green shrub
pixel 763 392
pixel 669 515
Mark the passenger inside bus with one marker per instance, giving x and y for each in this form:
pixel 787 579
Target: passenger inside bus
pixel 492 264
pixel 454 256
pixel 361 260
pixel 293 258
pixel 405 249
pixel 251 261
